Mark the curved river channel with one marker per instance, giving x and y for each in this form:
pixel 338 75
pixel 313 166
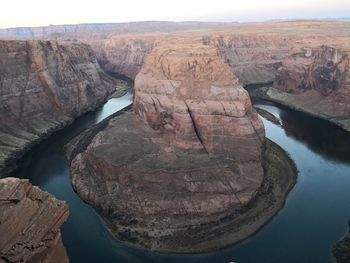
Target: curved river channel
pixel 314 218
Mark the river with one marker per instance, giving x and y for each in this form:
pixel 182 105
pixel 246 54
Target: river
pixel 314 218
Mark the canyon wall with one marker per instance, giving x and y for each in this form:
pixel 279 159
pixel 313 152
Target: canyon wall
pixel 254 58
pixel 123 55
pixel 316 80
pixel 30 221
pixel 44 85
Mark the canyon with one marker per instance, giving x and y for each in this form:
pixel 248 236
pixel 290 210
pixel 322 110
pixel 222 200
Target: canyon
pixel 30 221
pixel 188 169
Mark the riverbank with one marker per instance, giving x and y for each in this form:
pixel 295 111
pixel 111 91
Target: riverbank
pixel 306 105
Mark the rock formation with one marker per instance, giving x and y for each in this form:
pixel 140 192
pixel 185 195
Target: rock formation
pixel 190 94
pixel 190 156
pixel 253 58
pixel 44 85
pixel 316 80
pixel 30 221
pixel 123 55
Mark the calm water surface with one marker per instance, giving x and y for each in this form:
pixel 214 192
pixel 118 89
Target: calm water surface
pixel 314 218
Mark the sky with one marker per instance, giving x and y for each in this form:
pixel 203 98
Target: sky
pixel 16 13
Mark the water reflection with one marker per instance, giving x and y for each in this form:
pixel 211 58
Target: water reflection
pixel 321 136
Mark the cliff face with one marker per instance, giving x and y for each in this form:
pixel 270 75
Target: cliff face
pixel 191 155
pixel 190 94
pixel 316 80
pixel 323 69
pixel 123 55
pixel 253 58
pixel 44 86
pixel 30 221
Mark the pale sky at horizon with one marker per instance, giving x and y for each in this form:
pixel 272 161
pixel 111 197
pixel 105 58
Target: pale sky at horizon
pixel 21 13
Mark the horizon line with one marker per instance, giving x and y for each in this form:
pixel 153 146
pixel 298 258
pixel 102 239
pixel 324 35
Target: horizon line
pixel 187 21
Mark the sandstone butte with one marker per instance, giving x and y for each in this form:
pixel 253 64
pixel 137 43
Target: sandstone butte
pixel 44 85
pixel 179 173
pixel 30 221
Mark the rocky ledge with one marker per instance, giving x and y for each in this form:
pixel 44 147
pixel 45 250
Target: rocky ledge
pixel 184 172
pixel 316 81
pixel 30 221
pixel 44 85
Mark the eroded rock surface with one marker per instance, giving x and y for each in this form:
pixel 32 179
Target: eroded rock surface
pixel 44 85
pixel 191 95
pixel 254 58
pixel 316 80
pixel 123 55
pixel 191 155
pixel 30 221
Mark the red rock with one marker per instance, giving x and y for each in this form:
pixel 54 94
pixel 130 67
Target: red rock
pixel 30 221
pixel 316 80
pixel 44 85
pixel 190 156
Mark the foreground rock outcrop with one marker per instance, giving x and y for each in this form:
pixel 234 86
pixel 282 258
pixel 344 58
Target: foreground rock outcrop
pixel 341 250
pixel 30 221
pixel 317 81
pixel 44 85
pixel 181 174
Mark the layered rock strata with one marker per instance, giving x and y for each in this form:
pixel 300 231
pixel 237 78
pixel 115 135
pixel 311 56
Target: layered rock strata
pixel 317 81
pixel 190 156
pixel 44 85
pixel 30 221
pixel 253 58
pixel 123 55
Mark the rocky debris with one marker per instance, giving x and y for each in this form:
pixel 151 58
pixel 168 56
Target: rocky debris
pixel 30 221
pixel 191 155
pixel 44 85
